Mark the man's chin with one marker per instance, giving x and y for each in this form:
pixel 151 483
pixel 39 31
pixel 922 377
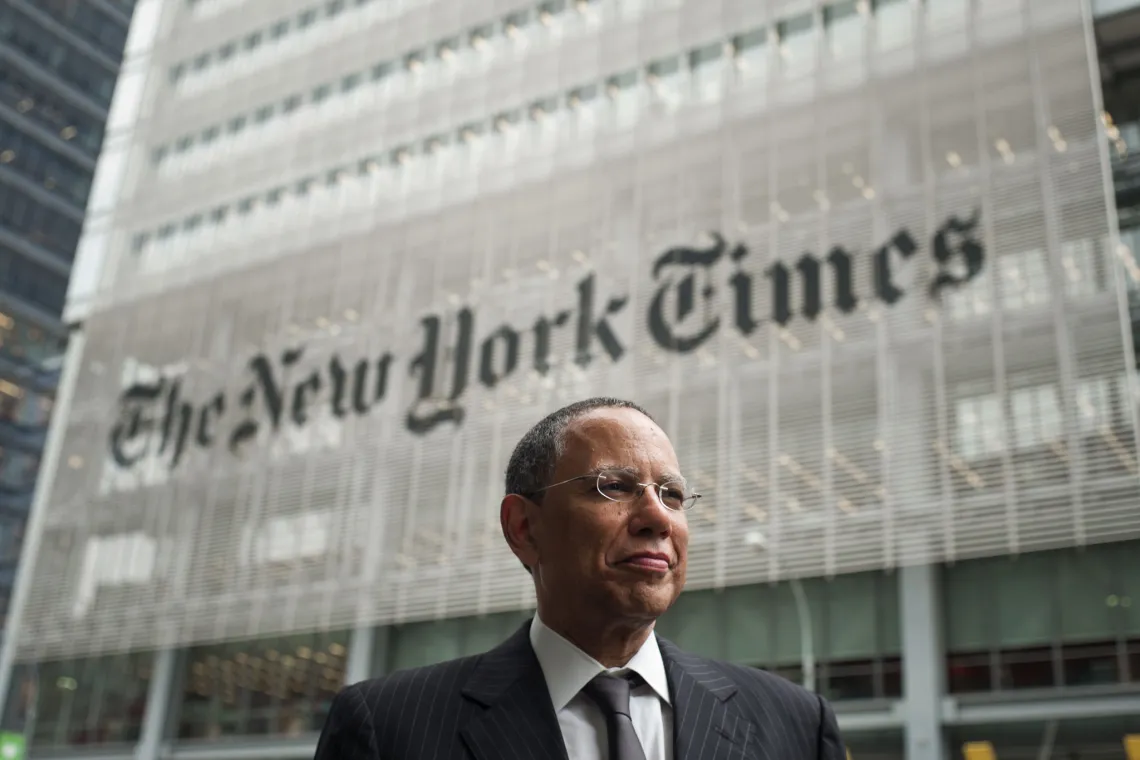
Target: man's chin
pixel 648 598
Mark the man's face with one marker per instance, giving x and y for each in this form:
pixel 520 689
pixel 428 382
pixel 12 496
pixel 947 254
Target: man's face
pixel 623 559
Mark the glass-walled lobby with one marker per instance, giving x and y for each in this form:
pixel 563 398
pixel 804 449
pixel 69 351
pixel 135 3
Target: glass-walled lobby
pixel 1058 628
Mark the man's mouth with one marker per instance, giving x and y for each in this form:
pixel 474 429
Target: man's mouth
pixel 648 561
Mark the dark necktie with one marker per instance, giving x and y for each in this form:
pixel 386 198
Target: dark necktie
pixel 611 695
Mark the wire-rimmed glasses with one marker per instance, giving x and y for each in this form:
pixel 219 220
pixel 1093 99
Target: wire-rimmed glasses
pixel 623 486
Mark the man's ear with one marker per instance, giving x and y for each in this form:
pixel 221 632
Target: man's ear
pixel 514 517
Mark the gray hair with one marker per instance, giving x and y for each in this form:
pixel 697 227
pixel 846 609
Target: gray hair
pixel 533 461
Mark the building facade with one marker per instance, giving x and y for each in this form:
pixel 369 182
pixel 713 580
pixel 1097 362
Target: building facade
pixel 863 260
pixel 58 65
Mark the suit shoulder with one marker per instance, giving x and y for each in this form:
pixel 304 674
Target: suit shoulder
pixel 428 679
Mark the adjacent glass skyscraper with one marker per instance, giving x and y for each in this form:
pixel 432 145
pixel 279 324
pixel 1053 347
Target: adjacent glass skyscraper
pixel 59 61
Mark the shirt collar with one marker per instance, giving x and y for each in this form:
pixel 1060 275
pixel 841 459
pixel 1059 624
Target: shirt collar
pixel 567 668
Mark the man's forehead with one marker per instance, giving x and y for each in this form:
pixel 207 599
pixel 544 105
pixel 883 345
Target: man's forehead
pixel 603 433
pixel 616 422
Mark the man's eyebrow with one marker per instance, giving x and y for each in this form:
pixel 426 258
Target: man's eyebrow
pixel 668 476
pixel 623 469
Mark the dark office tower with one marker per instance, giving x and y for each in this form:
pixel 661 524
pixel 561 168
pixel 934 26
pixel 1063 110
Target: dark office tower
pixel 59 60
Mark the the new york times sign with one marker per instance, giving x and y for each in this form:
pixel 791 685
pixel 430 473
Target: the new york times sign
pixel 156 412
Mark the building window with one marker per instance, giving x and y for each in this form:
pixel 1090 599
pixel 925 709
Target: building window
pixel 1037 416
pixel 88 75
pixel 41 286
pixel 279 686
pixel 663 76
pixel 1024 280
pixel 425 643
pixel 90 701
pixel 57 173
pixel 855 631
pixel 50 111
pixel 480 36
pixel 381 70
pixel 1083 268
pixel 751 53
pixel 1046 620
pixel 845 29
pixel 514 23
pixel 797 44
pixel 894 23
pixel 980 426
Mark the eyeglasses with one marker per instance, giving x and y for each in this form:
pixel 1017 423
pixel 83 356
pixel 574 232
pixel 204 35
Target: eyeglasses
pixel 623 486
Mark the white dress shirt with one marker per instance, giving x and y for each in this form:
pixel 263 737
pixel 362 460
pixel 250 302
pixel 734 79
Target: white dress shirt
pixel 567 669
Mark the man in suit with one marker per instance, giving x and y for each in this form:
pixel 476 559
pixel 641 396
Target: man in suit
pixel 595 511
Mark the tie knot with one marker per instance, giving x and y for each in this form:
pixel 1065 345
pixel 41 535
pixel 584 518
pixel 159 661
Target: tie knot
pixel 611 692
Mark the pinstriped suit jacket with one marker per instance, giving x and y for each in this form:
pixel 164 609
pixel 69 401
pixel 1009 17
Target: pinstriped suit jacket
pixel 496 706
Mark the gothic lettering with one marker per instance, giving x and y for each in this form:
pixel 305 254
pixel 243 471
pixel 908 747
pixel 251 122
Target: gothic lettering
pixel 431 410
pixel 543 327
pixel 781 298
pixel 842 268
pixel 885 288
pixel 590 328
pixel 176 423
pixel 956 238
pixel 362 396
pixel 810 270
pixel 134 422
pixel 683 313
pixel 489 375
pixel 741 283
pixel 302 397
pixel 361 404
pixel 271 391
pixel 691 261
pixel 206 417
pixel 339 387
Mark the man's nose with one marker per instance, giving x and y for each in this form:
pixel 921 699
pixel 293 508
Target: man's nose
pixel 650 512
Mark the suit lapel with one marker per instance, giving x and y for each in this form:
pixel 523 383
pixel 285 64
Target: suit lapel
pixel 706 724
pixel 517 719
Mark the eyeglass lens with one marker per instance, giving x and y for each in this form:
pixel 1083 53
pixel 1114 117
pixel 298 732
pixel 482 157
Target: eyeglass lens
pixel 622 486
